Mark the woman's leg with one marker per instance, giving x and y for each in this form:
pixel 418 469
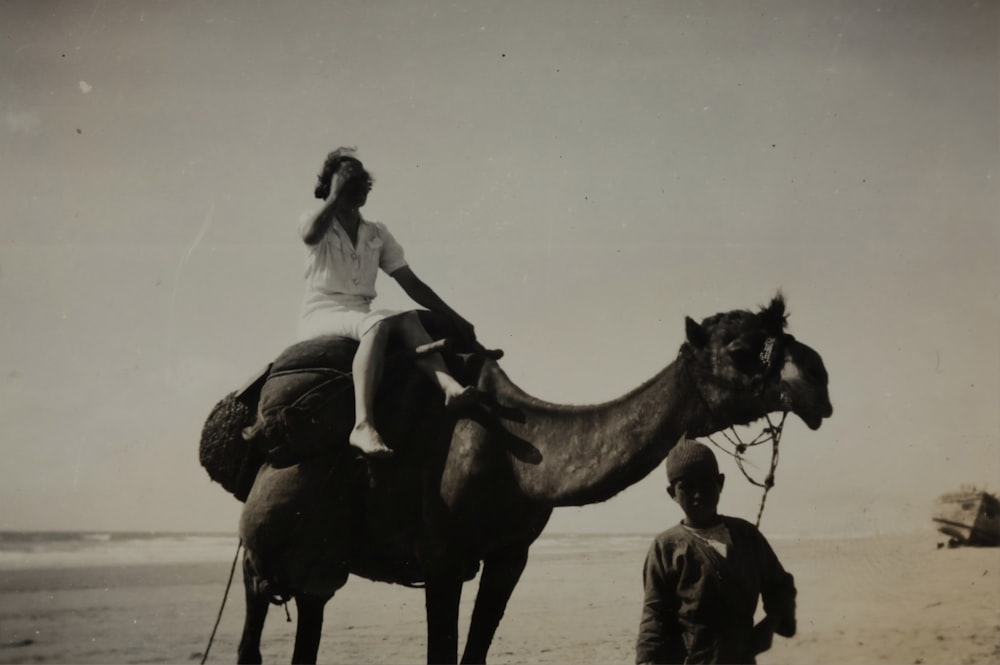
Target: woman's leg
pixel 367 368
pixel 412 331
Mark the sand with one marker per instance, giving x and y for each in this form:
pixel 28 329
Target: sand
pixel 894 599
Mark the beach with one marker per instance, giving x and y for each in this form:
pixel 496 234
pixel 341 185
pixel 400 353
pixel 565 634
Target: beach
pixel 879 599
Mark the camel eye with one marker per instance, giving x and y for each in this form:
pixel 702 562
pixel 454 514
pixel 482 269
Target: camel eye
pixel 745 359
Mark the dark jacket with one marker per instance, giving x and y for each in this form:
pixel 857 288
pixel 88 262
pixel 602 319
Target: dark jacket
pixel 699 606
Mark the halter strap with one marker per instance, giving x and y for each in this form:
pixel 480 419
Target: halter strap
pixel 772 432
pixel 767 352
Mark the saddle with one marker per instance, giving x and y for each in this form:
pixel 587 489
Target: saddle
pixel 302 400
pixel 301 405
pixel 305 399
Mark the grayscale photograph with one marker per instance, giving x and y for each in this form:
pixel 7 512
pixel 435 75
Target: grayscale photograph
pixel 423 331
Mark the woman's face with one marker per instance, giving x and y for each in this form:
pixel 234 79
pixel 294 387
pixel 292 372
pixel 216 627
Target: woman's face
pixel 352 183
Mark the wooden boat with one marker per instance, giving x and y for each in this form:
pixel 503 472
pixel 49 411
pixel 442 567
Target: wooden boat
pixel 969 517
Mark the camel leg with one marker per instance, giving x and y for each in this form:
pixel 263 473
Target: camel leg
pixel 309 628
pixel 253 621
pixel 442 595
pixel 500 575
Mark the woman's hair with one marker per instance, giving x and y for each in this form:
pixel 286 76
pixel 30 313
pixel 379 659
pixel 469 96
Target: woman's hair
pixel 330 166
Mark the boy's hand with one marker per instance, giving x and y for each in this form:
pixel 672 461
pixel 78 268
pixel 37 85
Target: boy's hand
pixel 763 636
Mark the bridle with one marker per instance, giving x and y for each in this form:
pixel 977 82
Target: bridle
pixel 769 433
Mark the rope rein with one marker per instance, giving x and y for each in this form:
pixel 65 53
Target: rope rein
pixel 218 617
pixel 770 433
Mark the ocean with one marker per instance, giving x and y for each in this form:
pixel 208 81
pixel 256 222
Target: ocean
pixel 21 550
pixel 83 549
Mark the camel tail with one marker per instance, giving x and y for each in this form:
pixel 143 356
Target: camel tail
pixel 225 455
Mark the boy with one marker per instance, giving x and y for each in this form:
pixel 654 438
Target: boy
pixel 703 576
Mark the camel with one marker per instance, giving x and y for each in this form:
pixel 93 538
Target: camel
pixel 475 489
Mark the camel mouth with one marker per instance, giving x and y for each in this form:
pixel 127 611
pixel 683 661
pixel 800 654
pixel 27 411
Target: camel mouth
pixel 813 423
pixel 812 406
pixel 814 418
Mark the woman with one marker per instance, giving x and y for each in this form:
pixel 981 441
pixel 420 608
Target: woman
pixel 345 253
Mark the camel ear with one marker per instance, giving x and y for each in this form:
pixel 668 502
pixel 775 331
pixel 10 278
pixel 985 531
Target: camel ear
pixel 696 335
pixel 773 317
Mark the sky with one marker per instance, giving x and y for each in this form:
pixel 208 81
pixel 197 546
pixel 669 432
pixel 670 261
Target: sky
pixel 573 177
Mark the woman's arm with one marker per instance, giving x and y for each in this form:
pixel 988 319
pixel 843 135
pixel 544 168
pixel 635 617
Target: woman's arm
pixel 316 227
pixel 424 296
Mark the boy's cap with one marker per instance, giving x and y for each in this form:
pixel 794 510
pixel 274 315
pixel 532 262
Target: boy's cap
pixel 689 457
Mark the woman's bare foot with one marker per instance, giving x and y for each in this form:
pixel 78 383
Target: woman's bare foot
pixel 461 397
pixel 367 440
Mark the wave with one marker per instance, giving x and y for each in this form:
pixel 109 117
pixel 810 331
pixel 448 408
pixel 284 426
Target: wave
pixel 47 549
pixel 69 549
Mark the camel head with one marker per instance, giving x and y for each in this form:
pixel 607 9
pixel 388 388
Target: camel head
pixel 745 366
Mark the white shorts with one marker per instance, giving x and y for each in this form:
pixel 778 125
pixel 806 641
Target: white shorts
pixel 331 318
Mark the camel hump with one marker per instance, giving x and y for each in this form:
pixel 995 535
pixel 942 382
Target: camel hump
pixel 301 406
pixel 305 406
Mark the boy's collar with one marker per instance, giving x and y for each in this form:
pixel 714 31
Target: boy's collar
pixel 719 521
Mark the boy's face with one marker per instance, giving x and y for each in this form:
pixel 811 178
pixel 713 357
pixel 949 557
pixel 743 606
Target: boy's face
pixel 698 496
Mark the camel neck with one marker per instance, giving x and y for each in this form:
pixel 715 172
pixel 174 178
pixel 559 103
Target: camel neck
pixel 588 454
